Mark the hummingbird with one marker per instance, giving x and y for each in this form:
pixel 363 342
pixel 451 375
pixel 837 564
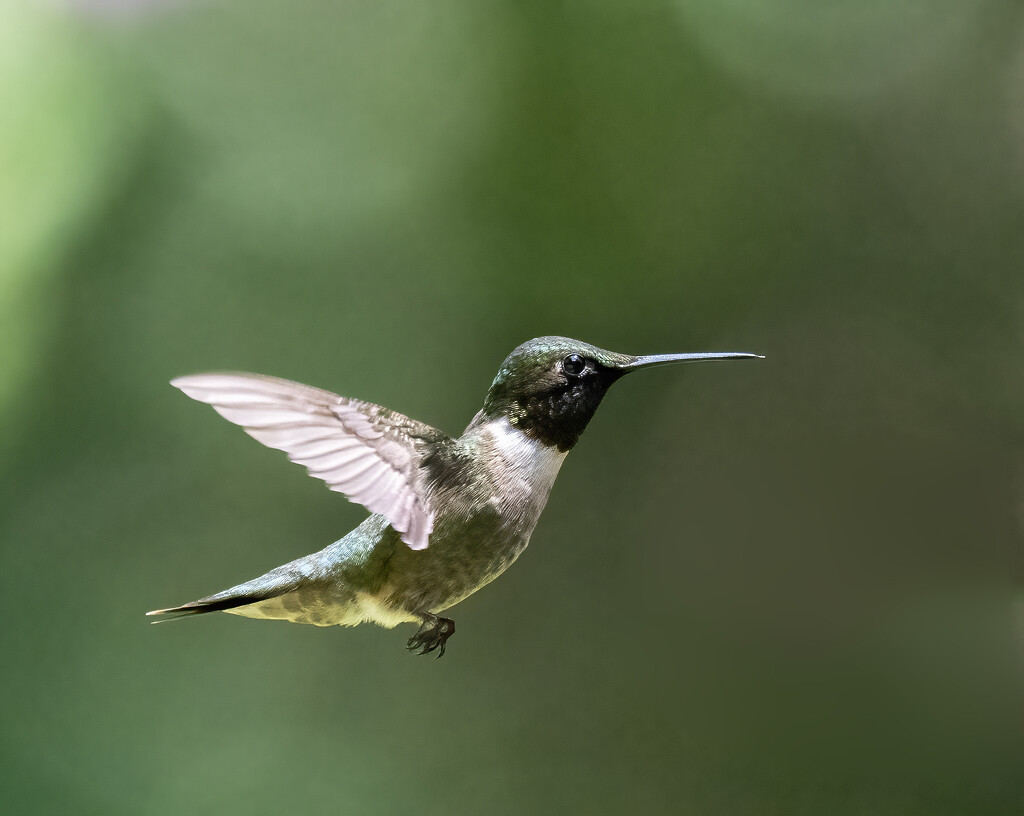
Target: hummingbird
pixel 448 514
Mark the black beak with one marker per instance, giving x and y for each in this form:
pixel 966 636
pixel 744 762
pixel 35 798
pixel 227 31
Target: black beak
pixel 650 360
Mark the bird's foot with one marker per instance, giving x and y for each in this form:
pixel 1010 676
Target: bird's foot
pixel 433 634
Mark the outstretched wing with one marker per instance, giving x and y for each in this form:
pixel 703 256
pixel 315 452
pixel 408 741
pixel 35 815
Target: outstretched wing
pixel 369 453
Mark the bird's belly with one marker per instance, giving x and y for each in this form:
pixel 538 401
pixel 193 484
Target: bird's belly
pixel 459 561
pixel 373 608
pixel 316 605
pixel 304 606
pixel 482 579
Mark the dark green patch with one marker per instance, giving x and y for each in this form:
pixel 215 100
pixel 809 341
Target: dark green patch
pixel 444 465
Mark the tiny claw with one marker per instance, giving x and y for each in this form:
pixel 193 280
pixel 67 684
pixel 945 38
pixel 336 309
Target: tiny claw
pixel 432 635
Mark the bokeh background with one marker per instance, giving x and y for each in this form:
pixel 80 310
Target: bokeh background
pixel 774 588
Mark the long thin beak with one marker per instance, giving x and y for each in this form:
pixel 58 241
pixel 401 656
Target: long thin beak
pixel 650 360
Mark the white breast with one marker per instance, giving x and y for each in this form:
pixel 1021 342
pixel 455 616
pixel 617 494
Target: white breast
pixel 525 468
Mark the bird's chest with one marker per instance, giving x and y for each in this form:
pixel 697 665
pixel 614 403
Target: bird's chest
pixel 519 477
pixel 481 530
pixel 483 522
pixel 521 472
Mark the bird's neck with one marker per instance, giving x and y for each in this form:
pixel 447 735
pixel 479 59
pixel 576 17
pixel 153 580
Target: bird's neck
pixel 522 466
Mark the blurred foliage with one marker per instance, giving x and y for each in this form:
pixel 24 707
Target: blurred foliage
pixel 61 136
pixel 774 588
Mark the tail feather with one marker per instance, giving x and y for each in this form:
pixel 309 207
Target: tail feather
pixel 215 603
pixel 279 581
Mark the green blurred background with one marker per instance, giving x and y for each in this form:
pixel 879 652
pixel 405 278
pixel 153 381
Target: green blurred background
pixel 773 588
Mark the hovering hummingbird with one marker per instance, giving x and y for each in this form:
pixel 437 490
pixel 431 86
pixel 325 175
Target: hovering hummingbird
pixel 449 514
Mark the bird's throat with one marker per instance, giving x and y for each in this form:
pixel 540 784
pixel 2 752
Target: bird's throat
pixel 525 465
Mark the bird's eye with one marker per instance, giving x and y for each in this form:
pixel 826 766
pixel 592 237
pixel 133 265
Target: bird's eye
pixel 573 365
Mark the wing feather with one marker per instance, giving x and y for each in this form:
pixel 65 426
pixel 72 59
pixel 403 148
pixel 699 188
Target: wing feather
pixel 288 438
pixel 370 454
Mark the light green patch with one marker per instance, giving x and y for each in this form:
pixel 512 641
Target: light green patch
pixel 64 124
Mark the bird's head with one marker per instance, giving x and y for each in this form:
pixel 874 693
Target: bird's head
pixel 550 387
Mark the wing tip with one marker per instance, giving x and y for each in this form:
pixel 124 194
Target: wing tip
pixel 207 376
pixel 420 526
pixel 187 382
